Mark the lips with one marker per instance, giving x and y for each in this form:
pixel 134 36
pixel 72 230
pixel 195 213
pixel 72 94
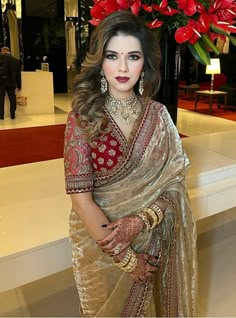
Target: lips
pixel 122 79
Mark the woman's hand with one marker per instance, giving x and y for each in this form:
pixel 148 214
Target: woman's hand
pixel 146 268
pixel 144 271
pixel 124 232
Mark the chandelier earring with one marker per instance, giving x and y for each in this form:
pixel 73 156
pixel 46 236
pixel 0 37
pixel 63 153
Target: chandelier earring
pixel 103 82
pixel 140 87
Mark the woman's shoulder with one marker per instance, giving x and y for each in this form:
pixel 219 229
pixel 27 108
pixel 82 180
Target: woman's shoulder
pixel 72 118
pixel 160 111
pixel 72 115
pixel 72 124
pixel 156 106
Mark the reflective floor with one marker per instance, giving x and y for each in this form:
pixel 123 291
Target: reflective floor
pixel 56 296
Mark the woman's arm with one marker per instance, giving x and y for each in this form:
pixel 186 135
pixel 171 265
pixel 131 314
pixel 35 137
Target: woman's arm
pixel 90 214
pixel 93 217
pixel 125 230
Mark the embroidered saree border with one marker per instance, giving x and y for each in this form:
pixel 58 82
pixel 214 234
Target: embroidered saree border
pixel 141 293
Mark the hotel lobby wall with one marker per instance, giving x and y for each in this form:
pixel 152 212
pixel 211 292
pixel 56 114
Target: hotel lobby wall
pixel 43 34
pixel 56 29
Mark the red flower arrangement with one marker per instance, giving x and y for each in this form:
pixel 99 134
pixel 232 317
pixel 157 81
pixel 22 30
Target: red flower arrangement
pixel 197 22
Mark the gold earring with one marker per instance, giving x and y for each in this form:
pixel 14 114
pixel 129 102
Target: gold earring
pixel 103 82
pixel 140 88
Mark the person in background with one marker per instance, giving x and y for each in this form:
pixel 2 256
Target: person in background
pixel 131 226
pixel 10 79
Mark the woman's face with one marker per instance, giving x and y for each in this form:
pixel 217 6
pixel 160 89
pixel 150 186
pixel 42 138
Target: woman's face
pixel 123 64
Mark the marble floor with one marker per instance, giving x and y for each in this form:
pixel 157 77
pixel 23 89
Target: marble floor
pixel 56 296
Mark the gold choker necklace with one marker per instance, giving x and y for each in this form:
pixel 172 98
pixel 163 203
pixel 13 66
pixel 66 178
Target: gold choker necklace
pixel 123 108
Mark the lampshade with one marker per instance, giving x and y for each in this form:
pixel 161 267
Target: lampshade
pixel 214 67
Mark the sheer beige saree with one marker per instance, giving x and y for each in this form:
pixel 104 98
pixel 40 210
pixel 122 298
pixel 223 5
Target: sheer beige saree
pixel 155 164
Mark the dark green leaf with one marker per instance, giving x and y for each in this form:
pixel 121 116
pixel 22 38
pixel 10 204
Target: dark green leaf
pixel 232 39
pixel 209 43
pixel 218 30
pixel 199 52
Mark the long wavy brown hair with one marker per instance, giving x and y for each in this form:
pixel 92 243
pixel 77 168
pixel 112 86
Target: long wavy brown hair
pixel 88 101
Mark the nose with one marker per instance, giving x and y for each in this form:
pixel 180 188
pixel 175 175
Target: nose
pixel 123 66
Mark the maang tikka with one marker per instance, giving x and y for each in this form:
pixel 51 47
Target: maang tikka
pixel 103 82
pixel 140 87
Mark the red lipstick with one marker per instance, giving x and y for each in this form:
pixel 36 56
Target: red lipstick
pixel 122 79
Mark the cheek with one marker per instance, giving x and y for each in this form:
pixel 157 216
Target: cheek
pixel 107 68
pixel 137 69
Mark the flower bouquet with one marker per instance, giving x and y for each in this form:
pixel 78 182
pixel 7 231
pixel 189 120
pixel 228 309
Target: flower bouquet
pixel 197 22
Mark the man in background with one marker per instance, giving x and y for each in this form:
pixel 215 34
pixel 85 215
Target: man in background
pixel 10 79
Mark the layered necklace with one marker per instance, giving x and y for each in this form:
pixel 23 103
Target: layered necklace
pixel 125 109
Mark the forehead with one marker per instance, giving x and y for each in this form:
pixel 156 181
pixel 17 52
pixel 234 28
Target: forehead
pixel 125 43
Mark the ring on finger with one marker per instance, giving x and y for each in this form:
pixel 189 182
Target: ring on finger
pixel 117 250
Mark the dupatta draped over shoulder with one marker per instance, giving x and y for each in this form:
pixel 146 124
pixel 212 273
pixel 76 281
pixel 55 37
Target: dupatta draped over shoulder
pixel 153 163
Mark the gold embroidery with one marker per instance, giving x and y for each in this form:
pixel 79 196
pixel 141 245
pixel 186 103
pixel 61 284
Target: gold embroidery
pixel 101 161
pixel 104 170
pixel 112 152
pixel 110 163
pixel 128 152
pixel 103 138
pixel 102 148
pixel 113 142
pixel 94 155
pixel 95 165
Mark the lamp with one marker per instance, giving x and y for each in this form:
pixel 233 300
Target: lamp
pixel 213 68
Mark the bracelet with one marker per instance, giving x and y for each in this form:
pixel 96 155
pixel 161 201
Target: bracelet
pixel 145 220
pixel 129 263
pixel 126 259
pixel 153 215
pixel 158 211
pixel 130 267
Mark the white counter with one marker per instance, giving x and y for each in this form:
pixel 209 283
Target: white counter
pixel 37 87
pixel 34 215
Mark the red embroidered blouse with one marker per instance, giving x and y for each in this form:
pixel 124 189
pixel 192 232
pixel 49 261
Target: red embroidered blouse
pixel 84 163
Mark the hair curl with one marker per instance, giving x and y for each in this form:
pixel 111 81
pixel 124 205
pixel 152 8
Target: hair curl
pixel 88 101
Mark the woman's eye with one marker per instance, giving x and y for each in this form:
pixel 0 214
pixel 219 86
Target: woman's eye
pixel 134 57
pixel 111 57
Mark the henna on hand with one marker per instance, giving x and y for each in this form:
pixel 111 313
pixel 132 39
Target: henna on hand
pixel 124 232
pixel 144 271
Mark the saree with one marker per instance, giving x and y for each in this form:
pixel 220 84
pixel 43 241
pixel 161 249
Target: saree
pixel 154 164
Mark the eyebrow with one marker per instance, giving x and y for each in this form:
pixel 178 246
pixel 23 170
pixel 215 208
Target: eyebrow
pixel 131 52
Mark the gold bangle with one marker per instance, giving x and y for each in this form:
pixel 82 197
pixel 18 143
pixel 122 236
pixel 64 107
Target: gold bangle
pixel 129 263
pixel 125 260
pixel 146 222
pixel 130 267
pixel 153 215
pixel 158 211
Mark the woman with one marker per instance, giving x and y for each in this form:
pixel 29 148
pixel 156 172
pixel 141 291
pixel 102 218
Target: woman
pixel 131 226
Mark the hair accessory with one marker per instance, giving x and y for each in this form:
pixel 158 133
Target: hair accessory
pixel 123 108
pixel 103 82
pixel 140 88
